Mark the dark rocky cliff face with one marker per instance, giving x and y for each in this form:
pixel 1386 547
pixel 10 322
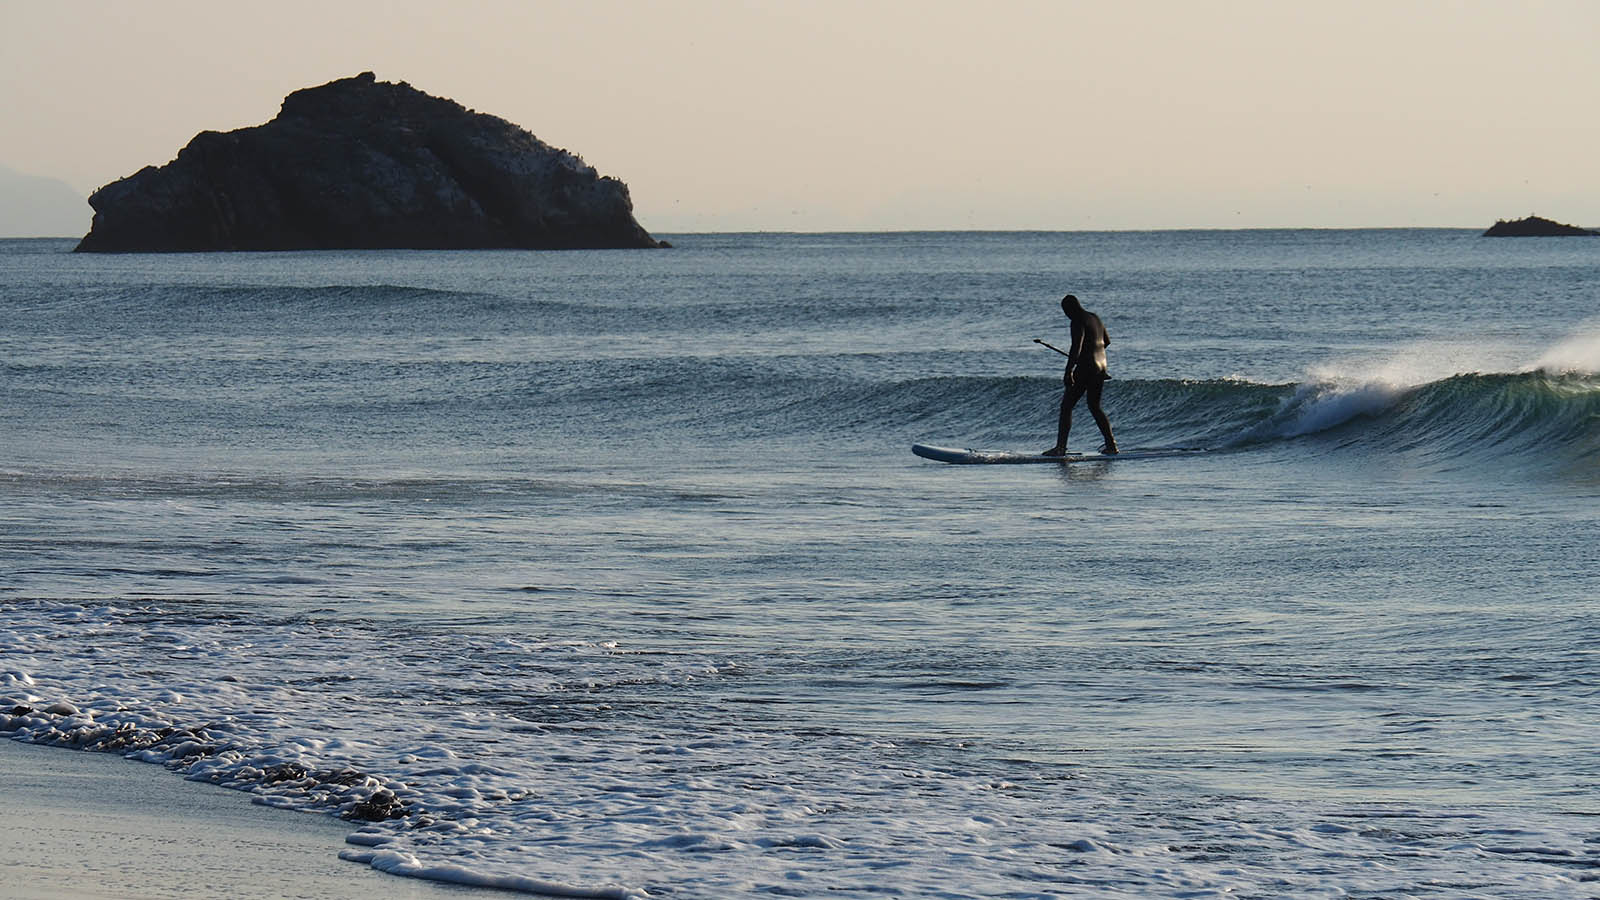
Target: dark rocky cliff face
pixel 361 163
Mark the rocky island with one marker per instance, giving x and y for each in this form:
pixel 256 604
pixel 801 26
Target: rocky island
pixel 363 164
pixel 1533 226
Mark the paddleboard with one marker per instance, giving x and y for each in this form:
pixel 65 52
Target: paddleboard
pixel 982 457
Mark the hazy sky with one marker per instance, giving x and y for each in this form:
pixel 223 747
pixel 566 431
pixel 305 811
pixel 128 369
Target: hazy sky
pixel 858 114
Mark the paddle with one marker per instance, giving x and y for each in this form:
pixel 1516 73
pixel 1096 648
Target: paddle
pixel 1054 347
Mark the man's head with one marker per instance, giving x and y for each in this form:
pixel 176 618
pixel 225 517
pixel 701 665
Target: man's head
pixel 1070 306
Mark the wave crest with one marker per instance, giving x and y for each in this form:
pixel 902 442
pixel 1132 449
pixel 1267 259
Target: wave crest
pixel 1551 416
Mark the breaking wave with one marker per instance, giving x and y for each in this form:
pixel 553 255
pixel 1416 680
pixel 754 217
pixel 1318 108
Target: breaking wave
pixel 1540 414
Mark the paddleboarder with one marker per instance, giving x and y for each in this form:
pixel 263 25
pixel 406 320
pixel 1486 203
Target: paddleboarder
pixel 1085 374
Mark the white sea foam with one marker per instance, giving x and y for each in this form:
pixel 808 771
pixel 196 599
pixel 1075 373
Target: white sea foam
pixel 1319 406
pixel 441 733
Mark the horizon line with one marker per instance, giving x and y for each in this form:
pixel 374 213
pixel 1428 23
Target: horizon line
pixel 937 230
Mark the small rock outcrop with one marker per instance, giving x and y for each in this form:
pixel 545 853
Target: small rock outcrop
pixel 1533 226
pixel 363 164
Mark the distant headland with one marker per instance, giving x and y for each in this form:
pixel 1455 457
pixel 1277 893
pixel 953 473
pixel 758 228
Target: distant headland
pixel 1533 226
pixel 364 164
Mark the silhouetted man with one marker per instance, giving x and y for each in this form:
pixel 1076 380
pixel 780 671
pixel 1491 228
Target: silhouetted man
pixel 1085 374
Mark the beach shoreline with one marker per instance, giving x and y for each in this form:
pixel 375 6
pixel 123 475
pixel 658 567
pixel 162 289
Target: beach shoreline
pixel 90 825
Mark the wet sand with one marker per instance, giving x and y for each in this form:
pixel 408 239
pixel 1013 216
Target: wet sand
pixel 95 825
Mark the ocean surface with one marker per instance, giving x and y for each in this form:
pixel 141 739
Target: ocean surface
pixel 612 574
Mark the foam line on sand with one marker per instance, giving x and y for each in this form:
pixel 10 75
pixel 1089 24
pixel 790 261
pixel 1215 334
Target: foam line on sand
pixel 94 825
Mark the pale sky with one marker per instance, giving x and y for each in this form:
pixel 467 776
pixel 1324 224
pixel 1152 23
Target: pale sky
pixel 870 114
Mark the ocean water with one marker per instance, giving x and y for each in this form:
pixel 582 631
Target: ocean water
pixel 611 573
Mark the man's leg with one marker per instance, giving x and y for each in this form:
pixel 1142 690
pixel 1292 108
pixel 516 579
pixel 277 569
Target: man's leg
pixel 1069 398
pixel 1099 414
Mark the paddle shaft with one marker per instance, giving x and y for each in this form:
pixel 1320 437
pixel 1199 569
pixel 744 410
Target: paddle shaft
pixel 1054 347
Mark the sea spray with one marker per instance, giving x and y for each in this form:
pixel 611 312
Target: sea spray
pixel 1578 354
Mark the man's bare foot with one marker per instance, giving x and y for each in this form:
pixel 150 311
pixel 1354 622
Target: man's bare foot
pixel 1054 451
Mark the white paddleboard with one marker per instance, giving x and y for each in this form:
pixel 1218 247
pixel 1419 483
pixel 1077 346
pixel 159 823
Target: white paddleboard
pixel 979 457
